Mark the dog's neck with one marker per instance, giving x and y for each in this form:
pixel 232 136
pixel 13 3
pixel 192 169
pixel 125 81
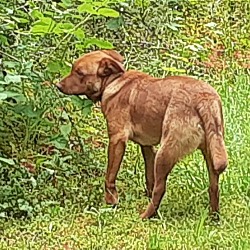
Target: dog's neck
pixel 107 82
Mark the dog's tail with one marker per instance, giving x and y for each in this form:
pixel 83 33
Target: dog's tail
pixel 212 117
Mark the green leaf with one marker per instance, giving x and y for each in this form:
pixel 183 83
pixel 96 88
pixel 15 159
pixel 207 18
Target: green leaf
pixel 28 110
pixel 8 161
pixel 79 33
pixel 67 26
pixel 36 14
pixel 108 12
pixel 12 79
pixel 67 3
pixel 39 29
pixel 99 43
pixel 88 8
pixel 114 23
pixel 60 142
pixel 44 25
pixel 3 96
pixel 45 21
pixel 3 40
pixel 54 66
pixel 11 64
pixel 65 129
pixel 63 27
pixel 18 97
pixel 11 94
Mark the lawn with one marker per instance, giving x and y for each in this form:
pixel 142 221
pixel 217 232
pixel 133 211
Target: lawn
pixel 53 148
pixel 183 221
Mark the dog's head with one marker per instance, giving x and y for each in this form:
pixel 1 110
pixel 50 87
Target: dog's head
pixel 91 73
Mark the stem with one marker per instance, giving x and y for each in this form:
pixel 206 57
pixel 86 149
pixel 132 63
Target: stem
pixel 68 35
pixel 10 56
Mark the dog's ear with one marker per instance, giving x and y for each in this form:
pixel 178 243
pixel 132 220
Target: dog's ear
pixel 114 54
pixel 109 66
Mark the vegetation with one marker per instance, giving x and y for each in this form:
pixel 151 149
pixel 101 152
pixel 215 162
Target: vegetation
pixel 53 147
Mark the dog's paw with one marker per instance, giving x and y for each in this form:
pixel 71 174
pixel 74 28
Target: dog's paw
pixel 111 197
pixel 150 212
pixel 143 216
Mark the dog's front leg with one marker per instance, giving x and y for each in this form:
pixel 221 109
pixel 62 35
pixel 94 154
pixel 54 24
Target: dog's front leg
pixel 116 151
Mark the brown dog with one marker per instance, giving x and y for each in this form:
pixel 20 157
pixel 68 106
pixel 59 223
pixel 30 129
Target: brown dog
pixel 180 113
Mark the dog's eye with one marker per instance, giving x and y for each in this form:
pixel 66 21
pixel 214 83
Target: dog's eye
pixel 80 73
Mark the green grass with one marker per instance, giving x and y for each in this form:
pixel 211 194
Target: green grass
pixel 60 205
pixel 85 222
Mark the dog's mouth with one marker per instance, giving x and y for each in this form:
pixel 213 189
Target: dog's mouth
pixel 94 97
pixel 60 87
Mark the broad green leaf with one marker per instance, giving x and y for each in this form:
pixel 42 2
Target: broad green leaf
pixel 114 23
pixel 100 43
pixel 79 33
pixel 3 40
pixel 65 129
pixel 36 14
pixel 11 64
pixel 18 97
pixel 45 21
pixel 108 12
pixel 63 27
pixel 44 25
pixel 8 161
pixel 60 142
pixel 12 79
pixel 11 94
pixel 54 66
pixel 3 96
pixel 67 3
pixel 67 26
pixel 86 7
pixel 40 29
pixel 28 111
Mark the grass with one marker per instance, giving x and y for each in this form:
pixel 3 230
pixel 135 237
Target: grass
pixel 60 204
pixel 85 222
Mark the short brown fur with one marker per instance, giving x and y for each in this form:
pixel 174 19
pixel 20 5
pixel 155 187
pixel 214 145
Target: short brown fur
pixel 180 113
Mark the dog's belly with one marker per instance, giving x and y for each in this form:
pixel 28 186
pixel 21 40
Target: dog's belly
pixel 146 135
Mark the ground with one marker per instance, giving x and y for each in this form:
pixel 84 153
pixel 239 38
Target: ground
pixel 85 222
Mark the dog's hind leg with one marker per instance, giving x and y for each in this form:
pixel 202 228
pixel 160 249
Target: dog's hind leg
pixel 148 153
pixel 164 163
pixel 214 184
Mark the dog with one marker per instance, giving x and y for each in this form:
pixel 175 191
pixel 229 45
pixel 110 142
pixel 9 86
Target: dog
pixel 180 113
